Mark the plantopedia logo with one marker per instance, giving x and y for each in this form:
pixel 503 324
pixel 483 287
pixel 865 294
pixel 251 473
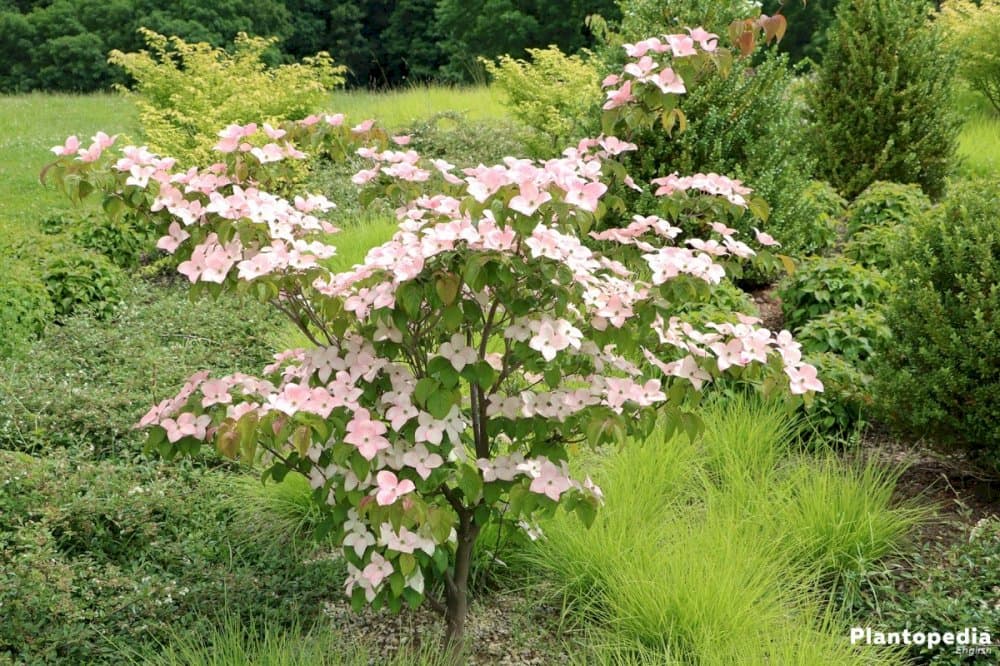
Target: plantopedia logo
pixel 967 641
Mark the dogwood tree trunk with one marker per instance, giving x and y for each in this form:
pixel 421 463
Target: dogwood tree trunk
pixel 457 584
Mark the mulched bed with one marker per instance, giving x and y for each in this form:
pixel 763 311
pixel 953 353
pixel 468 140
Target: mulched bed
pixel 503 629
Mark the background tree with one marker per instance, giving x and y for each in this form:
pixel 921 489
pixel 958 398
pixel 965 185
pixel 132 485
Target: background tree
pixel 807 26
pixel 491 28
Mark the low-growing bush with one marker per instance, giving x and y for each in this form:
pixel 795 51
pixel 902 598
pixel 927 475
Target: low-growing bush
pixel 123 239
pixel 951 590
pixel 875 247
pixel 550 94
pixel 885 204
pixel 89 380
pixel 186 91
pixel 815 230
pixel 820 285
pixel 77 278
pixel 852 334
pixel 25 307
pixel 454 137
pixel 939 375
pixel 845 403
pixel 101 558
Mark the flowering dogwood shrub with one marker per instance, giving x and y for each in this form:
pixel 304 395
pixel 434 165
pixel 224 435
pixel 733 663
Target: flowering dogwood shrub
pixel 455 370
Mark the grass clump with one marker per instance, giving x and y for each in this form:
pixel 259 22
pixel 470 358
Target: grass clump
pixel 730 549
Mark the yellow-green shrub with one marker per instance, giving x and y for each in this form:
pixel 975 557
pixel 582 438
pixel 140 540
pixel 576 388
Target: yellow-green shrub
pixel 187 92
pixel 549 93
pixel 972 30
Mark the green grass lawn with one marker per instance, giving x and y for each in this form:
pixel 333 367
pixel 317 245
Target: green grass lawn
pixel 399 108
pixel 979 146
pixel 34 124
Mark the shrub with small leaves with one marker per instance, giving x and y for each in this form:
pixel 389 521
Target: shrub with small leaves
pixel 86 381
pixel 25 306
pixel 820 285
pixel 814 231
pixel 885 204
pixel 953 589
pixel 880 107
pixel 549 94
pixel 939 375
pixel 186 91
pixel 99 555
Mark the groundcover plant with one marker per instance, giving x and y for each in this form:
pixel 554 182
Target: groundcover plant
pixel 457 369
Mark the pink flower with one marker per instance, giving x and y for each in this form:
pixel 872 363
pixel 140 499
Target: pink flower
pixel 708 41
pixel 689 369
pixel 681 45
pixel 378 570
pixel 363 127
pixel 550 481
pixel 585 195
pixel 459 353
pixel 273 133
pixel 175 236
pixel 803 379
pixel 402 140
pixel 214 392
pixel 422 460
pixel 366 434
pixel 390 488
pixel 668 81
pixel 765 238
pixel 529 199
pixel 728 354
pixel 187 425
pixel 429 429
pixel 619 97
pixel 71 146
pixel 610 80
pixel 554 336
pixel 359 540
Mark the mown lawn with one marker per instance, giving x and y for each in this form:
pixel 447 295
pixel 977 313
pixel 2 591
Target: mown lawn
pixel 398 108
pixel 34 124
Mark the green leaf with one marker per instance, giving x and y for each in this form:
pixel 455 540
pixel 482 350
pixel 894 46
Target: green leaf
pixel 485 374
pixel 113 206
pixel 440 403
pixel 759 208
pixel 470 483
pixel 451 317
pixel 396 584
pixel 410 295
pixel 474 274
pixel 447 287
pixel 441 523
pixel 425 388
pixel 302 439
pixel 407 563
pixel 587 512
pixel 360 466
